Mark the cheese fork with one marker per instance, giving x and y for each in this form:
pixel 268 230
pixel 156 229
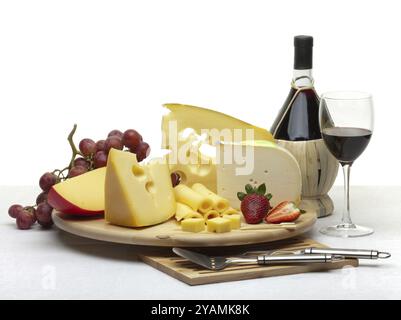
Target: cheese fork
pixel 219 263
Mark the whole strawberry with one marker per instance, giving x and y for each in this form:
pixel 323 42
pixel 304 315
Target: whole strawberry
pixel 255 203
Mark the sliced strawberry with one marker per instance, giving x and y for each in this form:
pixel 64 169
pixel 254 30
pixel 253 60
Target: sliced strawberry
pixel 285 211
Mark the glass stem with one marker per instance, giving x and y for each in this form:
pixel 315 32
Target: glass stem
pixel 346 220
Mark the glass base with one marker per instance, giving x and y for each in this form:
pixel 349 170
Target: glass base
pixel 346 231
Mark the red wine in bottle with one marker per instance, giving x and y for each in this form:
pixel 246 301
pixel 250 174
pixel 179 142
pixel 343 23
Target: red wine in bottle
pixel 297 129
pixel 298 119
pixel 346 144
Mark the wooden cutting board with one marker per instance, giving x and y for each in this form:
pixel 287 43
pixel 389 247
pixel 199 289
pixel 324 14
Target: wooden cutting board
pixel 166 261
pixel 169 233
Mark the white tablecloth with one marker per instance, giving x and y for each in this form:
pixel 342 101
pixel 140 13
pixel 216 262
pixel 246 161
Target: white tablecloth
pixel 45 264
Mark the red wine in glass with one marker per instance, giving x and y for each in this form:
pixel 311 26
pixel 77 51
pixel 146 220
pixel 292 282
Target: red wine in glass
pixel 346 143
pixel 346 123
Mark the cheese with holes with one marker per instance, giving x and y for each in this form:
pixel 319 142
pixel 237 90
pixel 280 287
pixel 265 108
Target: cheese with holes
pixel 193 225
pixel 193 160
pixel 201 128
pixel 136 194
pixel 255 163
pixel 218 225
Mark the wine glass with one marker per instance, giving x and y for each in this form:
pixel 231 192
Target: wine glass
pixel 346 124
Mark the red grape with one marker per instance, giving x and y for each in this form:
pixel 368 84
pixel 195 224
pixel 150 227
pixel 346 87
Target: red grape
pixel 100 159
pixel 175 179
pixel 100 145
pixel 82 162
pixel 14 210
pixel 113 142
pixel 142 151
pixel 87 147
pixel 117 133
pixel 25 220
pixel 47 180
pixel 76 171
pixel 44 214
pixel 131 139
pixel 41 197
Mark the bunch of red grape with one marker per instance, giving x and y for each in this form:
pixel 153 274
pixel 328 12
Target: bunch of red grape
pixel 94 154
pixel 91 155
pixel 41 212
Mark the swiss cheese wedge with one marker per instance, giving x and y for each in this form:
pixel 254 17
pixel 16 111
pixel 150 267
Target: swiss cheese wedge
pixel 137 195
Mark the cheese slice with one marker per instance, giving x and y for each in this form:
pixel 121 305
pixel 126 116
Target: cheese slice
pixel 266 162
pixel 137 195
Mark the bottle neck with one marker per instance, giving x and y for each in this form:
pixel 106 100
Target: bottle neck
pixel 302 78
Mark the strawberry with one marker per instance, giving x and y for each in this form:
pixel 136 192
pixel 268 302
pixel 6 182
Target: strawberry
pixel 254 203
pixel 285 211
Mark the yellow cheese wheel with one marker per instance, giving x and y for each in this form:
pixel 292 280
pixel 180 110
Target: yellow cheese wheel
pixel 220 204
pixel 186 195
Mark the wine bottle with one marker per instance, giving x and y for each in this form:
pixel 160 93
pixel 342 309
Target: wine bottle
pixel 298 119
pixel 297 129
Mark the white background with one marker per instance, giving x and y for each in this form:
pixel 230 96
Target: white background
pixel 111 64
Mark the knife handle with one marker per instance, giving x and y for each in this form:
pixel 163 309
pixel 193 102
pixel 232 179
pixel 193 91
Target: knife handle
pixel 349 253
pixel 298 258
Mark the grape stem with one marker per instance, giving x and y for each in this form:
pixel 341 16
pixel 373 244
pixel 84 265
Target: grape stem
pixel 74 149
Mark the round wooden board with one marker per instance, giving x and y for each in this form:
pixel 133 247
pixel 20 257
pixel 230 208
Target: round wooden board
pixel 169 234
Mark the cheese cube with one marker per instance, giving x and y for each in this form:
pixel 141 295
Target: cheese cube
pixel 235 220
pixel 193 225
pixel 218 225
pixel 137 195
